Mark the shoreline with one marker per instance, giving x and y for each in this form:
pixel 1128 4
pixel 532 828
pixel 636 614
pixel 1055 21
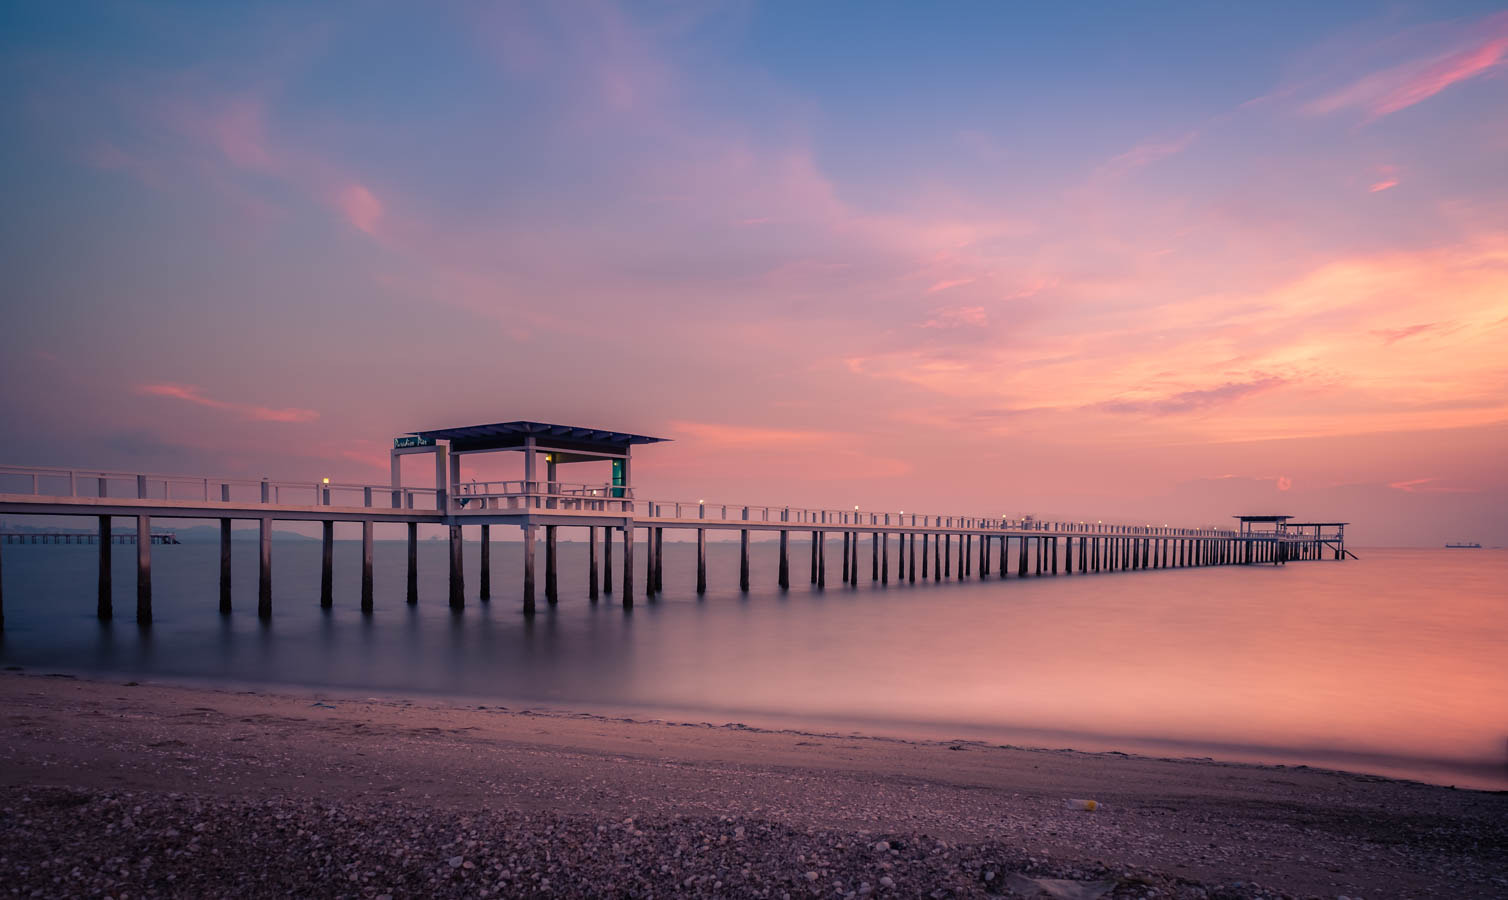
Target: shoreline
pixel 1488 775
pixel 1195 827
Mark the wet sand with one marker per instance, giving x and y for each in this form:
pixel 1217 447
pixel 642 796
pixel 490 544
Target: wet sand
pixel 413 797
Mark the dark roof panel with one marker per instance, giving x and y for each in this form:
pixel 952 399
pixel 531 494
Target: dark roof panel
pixel 510 433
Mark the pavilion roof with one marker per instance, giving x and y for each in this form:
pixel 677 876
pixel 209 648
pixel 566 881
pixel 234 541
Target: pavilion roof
pixel 506 435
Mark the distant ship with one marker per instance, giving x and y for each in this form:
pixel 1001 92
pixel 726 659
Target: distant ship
pixel 1469 546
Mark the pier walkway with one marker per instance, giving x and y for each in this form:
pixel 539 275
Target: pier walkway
pixel 951 546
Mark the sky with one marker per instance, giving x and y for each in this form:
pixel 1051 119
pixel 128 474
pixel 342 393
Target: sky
pixel 1151 262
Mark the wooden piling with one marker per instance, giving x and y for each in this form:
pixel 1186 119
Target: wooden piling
pixel 984 556
pixel 413 563
pixel 366 566
pixel 785 561
pixel 144 570
pixel 264 568
pixel 607 559
pixel 225 565
pixel 327 564
pixel 628 567
pixel 484 578
pixel 1021 558
pixel 1068 554
pixel 911 563
pixel 814 557
pixel 457 572
pixel 529 569
pixel 743 559
pixel 947 555
pixel 591 568
pixel 659 561
pixel 701 559
pixel 847 540
pixel 104 607
pixel 1003 563
pixel 552 572
pixel 900 557
pixel 925 541
pixel 963 556
pixel 874 557
pixel 821 559
pixel 884 558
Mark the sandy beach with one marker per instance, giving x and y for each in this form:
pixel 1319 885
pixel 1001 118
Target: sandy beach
pixel 126 789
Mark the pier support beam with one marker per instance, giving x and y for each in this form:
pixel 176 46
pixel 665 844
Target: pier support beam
pixel 591 566
pixel 457 573
pixel 1068 555
pixel 1021 558
pixel 847 541
pixel 659 537
pixel 911 563
pixel 607 559
pixel 484 587
pixel 552 574
pixel 225 561
pixel 529 569
pixel 104 607
pixel 785 560
pixel 874 557
pixel 925 542
pixel 963 555
pixel 884 558
pixel 413 563
pixel 821 559
pixel 628 566
pixel 743 558
pixel 814 557
pixel 144 570
pixel 327 564
pixel 947 555
pixel 264 568
pixel 701 559
pixel 366 566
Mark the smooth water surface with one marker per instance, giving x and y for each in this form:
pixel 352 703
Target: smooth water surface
pixel 1395 664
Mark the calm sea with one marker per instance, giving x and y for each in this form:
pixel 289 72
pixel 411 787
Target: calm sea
pixel 1395 664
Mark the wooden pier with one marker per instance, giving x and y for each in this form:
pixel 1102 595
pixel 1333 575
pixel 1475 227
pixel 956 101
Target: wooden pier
pixel 80 537
pixel 951 547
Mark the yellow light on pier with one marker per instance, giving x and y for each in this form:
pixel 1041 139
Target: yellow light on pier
pixel 327 481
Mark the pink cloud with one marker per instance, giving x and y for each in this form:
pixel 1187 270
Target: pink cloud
pixel 1426 486
pixel 958 317
pixel 1148 152
pixel 1399 87
pixel 1382 186
pixel 194 395
pixel 360 207
pixel 953 283
pixel 1194 401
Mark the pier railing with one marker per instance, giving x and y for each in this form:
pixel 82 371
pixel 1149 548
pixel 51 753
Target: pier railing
pixel 482 497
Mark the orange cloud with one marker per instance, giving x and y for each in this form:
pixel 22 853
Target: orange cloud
pixel 194 395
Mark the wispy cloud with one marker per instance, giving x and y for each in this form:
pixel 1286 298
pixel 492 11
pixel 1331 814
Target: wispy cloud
pixel 194 395
pixel 1193 401
pixel 958 317
pixel 1398 87
pixel 949 283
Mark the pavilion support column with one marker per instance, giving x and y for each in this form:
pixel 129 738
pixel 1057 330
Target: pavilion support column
pixel 144 570
pixel 814 557
pixel 607 559
pixel 628 566
pixel 529 570
pixel 484 588
pixel 457 573
pixel 911 563
pixel 327 564
pixel 552 574
pixel 591 567
pixel 649 562
pixel 785 559
pixel 366 566
pixel 413 563
pixel 821 559
pixel 264 568
pixel 104 607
